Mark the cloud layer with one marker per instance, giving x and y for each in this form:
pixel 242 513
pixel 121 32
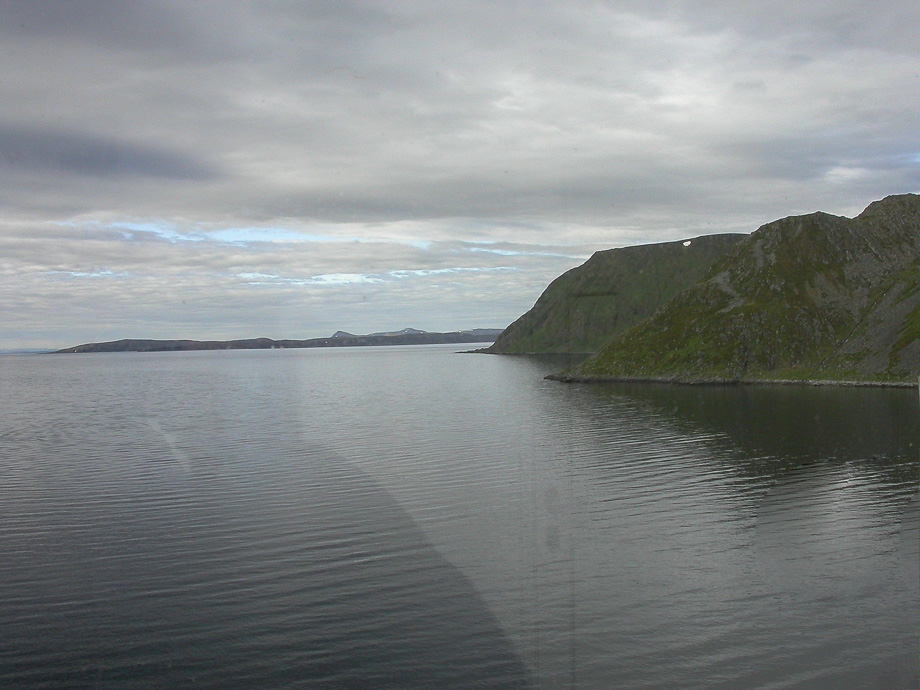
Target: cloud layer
pixel 233 169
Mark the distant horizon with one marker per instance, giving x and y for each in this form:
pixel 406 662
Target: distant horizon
pixel 53 348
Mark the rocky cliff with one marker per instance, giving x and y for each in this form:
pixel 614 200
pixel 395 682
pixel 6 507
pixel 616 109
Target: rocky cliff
pixel 807 297
pixel 614 290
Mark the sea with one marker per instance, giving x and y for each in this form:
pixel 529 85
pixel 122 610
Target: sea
pixel 419 517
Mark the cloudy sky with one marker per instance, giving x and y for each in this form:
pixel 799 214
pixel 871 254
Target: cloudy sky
pixel 281 169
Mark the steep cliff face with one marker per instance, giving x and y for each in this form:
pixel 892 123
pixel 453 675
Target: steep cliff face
pixel 805 297
pixel 614 290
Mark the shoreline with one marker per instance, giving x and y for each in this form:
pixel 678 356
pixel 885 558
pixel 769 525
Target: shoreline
pixel 730 382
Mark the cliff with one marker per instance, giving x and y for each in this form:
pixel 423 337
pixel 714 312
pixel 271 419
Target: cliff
pixel 612 291
pixel 814 297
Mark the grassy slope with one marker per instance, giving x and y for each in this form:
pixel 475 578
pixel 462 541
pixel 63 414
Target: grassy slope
pixel 615 289
pixel 807 297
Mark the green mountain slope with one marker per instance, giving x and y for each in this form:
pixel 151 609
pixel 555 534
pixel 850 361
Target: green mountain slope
pixel 612 291
pixel 808 297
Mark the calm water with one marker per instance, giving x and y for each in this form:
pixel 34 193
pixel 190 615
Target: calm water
pixel 411 518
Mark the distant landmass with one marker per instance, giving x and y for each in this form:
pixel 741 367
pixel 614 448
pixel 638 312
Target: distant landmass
pixel 806 298
pixel 614 290
pixel 407 336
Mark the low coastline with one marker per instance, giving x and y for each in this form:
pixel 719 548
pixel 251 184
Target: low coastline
pixel 340 339
pixel 676 380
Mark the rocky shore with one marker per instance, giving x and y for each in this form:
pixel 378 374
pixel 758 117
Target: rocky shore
pixel 565 378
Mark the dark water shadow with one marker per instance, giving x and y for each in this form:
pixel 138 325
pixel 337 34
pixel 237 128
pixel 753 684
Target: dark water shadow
pixel 823 485
pixel 257 572
pixel 787 427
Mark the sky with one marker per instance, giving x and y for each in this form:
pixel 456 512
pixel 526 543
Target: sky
pixel 217 170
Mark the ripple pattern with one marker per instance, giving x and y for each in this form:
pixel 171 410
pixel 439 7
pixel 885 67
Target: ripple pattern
pixel 412 517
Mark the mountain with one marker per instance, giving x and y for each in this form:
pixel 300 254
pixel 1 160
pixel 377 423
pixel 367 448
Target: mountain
pixel 408 336
pixel 404 331
pixel 612 291
pixel 813 297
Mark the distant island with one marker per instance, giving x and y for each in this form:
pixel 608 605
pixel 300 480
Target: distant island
pixel 407 336
pixel 813 298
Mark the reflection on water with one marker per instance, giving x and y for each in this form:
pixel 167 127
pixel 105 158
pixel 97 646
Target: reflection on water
pixel 255 578
pixel 822 483
pixel 409 517
pixel 796 423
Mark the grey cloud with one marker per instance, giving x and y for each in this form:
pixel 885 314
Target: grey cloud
pixel 24 149
pixel 171 30
pixel 156 287
pixel 532 125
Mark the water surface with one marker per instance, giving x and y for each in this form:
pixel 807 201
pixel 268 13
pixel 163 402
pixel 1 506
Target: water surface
pixel 412 517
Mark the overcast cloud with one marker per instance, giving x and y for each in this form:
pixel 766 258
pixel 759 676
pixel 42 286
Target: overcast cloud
pixel 241 169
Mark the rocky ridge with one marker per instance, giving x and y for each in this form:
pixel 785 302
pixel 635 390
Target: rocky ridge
pixel 581 310
pixel 806 298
